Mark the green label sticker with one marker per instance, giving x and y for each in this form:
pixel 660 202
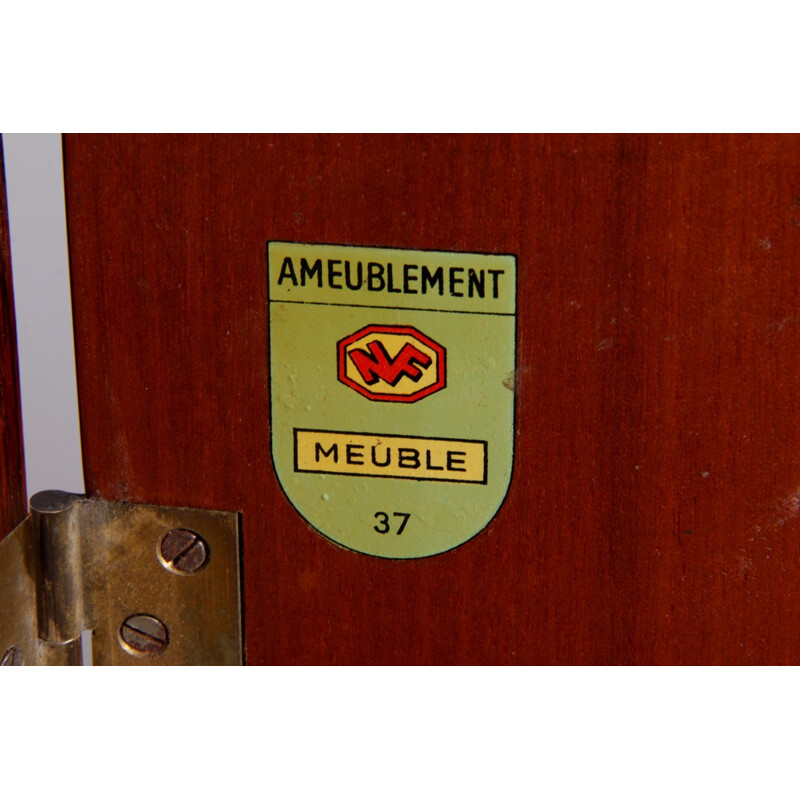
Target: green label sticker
pixel 392 392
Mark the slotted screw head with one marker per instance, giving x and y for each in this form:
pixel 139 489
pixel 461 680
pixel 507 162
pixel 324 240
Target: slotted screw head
pixel 142 634
pixel 183 551
pixel 11 658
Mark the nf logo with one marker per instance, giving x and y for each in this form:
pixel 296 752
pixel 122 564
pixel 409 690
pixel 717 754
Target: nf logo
pixel 391 363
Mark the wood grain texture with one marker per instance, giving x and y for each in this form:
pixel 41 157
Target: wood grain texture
pixel 13 500
pixel 654 513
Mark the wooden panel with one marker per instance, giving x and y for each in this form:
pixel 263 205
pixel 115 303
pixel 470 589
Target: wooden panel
pixel 13 500
pixel 654 513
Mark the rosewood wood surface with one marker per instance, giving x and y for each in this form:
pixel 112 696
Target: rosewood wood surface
pixel 654 512
pixel 13 500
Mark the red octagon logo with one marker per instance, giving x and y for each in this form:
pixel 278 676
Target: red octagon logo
pixel 392 363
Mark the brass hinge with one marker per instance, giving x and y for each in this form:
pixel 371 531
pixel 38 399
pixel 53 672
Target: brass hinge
pixel 84 581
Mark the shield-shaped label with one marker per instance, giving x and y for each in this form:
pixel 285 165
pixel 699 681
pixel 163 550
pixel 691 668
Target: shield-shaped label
pixel 392 380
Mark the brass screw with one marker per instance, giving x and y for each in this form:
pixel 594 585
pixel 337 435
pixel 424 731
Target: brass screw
pixel 142 634
pixel 11 658
pixel 183 551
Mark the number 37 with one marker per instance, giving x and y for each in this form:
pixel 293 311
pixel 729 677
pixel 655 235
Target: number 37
pixel 384 526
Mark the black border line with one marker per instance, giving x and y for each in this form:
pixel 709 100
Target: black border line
pixel 514 433
pixel 485 444
pixel 396 308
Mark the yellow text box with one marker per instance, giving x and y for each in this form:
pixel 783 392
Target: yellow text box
pixel 380 455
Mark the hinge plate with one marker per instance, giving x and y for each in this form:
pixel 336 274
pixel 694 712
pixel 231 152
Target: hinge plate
pixel 18 632
pixel 78 568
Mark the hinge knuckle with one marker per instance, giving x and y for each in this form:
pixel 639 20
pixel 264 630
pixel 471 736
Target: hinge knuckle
pixel 87 581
